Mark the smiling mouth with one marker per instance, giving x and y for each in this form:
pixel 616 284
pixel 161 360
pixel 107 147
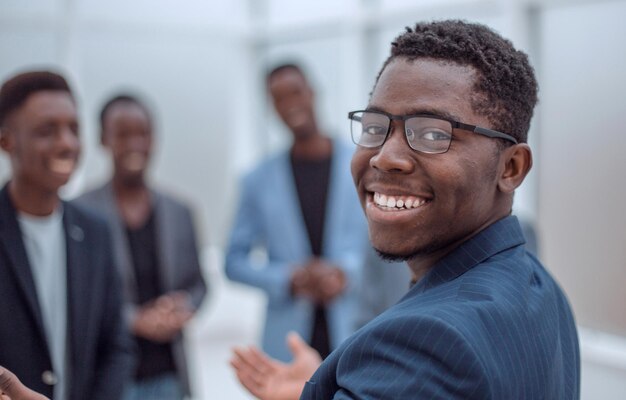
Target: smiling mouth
pixel 62 166
pixel 296 117
pixel 388 202
pixel 135 161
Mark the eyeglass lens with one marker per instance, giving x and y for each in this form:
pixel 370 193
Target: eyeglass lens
pixel 428 135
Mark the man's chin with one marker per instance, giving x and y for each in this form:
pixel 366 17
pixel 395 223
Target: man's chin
pixel 132 178
pixel 393 256
pixel 55 183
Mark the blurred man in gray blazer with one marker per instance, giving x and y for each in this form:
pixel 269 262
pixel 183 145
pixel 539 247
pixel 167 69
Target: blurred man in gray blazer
pixel 155 247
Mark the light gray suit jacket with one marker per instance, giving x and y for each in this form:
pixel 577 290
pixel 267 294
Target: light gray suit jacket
pixel 269 215
pixel 179 267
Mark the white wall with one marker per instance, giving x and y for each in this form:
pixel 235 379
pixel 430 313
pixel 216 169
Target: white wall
pixel 582 191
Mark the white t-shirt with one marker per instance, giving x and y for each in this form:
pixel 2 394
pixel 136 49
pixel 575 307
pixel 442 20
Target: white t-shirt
pixel 44 239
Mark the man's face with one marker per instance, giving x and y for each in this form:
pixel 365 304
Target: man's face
pixel 293 100
pixel 452 195
pixel 128 135
pixel 42 140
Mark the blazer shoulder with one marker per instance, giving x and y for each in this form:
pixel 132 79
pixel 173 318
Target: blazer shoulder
pixel 171 201
pixel 266 169
pixel 85 216
pixel 414 347
pixel 93 198
pixel 503 278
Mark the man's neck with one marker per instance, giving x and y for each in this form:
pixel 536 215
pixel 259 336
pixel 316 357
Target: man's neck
pixel 315 147
pixel 134 201
pixel 421 264
pixel 129 187
pixel 33 200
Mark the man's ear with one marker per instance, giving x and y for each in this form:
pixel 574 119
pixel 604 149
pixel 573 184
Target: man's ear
pixel 5 141
pixel 518 159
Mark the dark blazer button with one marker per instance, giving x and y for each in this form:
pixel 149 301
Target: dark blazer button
pixel 76 233
pixel 49 378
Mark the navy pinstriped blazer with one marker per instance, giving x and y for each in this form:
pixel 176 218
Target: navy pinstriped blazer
pixel 487 322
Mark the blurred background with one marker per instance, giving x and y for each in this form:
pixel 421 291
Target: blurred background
pixel 201 64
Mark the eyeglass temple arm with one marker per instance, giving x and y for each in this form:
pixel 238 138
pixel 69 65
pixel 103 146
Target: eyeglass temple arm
pixel 487 132
pixel 494 134
pixel 354 116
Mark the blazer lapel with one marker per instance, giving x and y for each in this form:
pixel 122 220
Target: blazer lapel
pixel 121 248
pixel 501 235
pixel 293 236
pixel 78 302
pixel 336 197
pixel 11 240
pixel 164 222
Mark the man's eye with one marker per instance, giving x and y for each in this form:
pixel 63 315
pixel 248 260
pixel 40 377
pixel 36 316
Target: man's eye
pixel 374 130
pixel 435 135
pixel 45 131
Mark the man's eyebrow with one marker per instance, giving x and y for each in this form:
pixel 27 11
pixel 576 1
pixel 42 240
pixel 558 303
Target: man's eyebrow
pixel 374 108
pixel 420 110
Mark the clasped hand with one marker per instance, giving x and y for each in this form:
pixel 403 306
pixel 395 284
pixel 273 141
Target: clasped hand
pixel 318 280
pixel 162 319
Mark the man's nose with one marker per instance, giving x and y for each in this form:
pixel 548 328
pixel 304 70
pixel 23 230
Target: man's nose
pixel 138 142
pixel 394 155
pixel 68 139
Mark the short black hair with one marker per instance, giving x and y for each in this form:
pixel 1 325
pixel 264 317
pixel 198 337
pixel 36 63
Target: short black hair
pixel 272 72
pixel 17 89
pixel 121 98
pixel 506 87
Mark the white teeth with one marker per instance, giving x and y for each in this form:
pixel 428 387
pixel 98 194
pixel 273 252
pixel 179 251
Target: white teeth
pixel 135 161
pixel 62 166
pixel 386 201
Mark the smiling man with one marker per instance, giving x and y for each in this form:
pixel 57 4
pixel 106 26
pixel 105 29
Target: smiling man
pixel 441 148
pixel 300 207
pixel 62 333
pixel 154 244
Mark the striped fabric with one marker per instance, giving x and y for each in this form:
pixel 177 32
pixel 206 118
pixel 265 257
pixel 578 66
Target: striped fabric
pixel 487 322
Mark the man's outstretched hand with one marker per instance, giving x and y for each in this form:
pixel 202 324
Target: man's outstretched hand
pixel 269 379
pixel 12 389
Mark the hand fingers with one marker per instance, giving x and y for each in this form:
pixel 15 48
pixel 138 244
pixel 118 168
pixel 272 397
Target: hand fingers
pixel 253 377
pixel 255 382
pixel 263 360
pixel 296 344
pixel 251 384
pixel 249 361
pixel 9 384
pixel 12 388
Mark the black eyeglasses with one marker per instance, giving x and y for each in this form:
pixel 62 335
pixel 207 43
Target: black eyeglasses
pixel 425 133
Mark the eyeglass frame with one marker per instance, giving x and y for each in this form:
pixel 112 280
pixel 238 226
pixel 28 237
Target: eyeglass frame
pixel 455 125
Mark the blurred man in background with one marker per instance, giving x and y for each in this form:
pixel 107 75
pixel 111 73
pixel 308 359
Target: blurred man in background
pixel 62 331
pixel 300 207
pixel 154 244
